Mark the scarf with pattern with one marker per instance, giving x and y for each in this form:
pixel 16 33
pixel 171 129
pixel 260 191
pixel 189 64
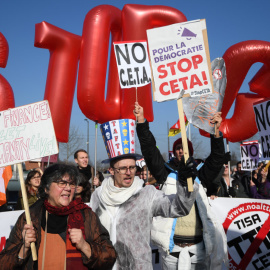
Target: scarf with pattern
pixel 75 220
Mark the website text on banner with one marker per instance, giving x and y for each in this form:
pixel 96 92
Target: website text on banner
pixel 26 133
pixel 180 60
pixel 246 223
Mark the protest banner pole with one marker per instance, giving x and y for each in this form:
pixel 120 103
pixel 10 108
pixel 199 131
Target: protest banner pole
pixel 26 207
pixel 267 166
pixel 189 131
pixel 96 127
pixel 229 162
pixel 184 138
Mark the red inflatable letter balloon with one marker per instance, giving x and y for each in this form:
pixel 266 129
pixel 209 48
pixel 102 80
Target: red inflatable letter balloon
pixel 6 92
pixel 239 58
pixel 64 50
pixel 136 19
pixel 98 24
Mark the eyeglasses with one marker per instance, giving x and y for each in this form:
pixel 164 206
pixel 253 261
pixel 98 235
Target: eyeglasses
pixel 36 177
pixel 123 170
pixel 63 184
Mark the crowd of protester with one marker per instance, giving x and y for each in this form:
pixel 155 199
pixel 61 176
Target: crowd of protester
pixel 146 194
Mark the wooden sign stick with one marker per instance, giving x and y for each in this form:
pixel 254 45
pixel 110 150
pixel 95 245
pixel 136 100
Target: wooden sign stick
pixel 184 138
pixel 26 207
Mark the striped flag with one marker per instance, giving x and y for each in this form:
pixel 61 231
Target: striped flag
pixel 175 129
pixel 5 176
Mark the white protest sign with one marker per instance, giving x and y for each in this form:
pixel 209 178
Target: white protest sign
pixel 180 60
pixel 26 133
pixel 246 223
pixel 249 155
pixel 262 113
pixel 132 63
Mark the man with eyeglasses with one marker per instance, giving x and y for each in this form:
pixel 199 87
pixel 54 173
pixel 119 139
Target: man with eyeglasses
pixel 126 209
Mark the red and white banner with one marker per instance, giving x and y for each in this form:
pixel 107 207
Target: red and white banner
pixel 246 223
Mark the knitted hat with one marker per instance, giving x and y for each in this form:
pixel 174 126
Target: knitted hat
pixel 179 141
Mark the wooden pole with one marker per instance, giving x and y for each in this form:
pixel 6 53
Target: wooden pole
pixel 184 138
pixel 26 207
pixel 96 127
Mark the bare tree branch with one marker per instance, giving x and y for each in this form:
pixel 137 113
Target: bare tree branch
pixel 75 142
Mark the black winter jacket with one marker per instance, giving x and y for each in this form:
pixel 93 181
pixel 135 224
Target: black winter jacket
pixel 156 164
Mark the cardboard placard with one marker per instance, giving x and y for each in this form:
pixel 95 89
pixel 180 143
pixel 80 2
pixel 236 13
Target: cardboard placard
pixel 180 59
pixel 250 155
pixel 262 112
pixel 132 63
pixel 26 133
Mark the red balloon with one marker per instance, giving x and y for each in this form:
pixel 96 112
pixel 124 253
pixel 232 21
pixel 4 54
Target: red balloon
pixel 238 59
pixel 3 51
pixel 146 17
pixel 6 93
pixel 98 24
pixel 64 50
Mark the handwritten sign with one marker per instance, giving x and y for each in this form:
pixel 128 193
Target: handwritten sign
pixel 132 63
pixel 180 60
pixel 26 133
pixel 249 155
pixel 261 110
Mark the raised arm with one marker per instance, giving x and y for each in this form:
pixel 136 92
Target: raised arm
pixel 214 162
pixel 151 153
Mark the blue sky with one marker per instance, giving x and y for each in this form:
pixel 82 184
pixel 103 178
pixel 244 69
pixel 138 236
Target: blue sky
pixel 228 22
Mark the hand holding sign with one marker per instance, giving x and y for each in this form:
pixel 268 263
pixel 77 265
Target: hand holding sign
pixel 26 133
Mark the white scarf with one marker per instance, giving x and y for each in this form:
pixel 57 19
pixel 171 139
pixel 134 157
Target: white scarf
pixel 114 196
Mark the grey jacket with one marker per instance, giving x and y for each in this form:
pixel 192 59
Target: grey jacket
pixel 131 224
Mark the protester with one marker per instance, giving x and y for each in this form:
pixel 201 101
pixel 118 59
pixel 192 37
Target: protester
pixel 233 170
pixel 65 231
pixel 190 241
pixel 126 208
pixel 244 177
pixel 32 183
pixel 263 190
pixel 82 159
pixel 148 178
pixel 256 174
pixel 226 186
pixel 83 189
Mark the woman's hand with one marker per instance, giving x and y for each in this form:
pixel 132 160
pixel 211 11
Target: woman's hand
pixel 96 182
pixel 138 112
pixel 76 237
pixel 28 236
